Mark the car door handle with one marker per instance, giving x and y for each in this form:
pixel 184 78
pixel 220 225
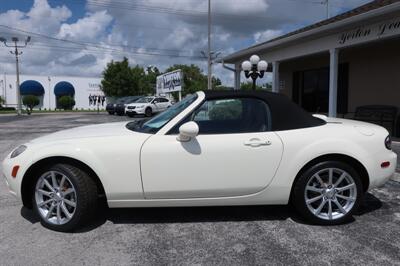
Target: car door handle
pixel 257 143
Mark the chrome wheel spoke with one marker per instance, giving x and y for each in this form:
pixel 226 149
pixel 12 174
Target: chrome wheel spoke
pixel 48 185
pixel 319 180
pixel 318 210
pixel 58 213
pixel 330 209
pixel 345 198
pixel 330 179
pixel 54 180
pixel 309 201
pixel 339 180
pixel 45 202
pixel 70 203
pixel 50 211
pixel 350 186
pixel 65 211
pixel 314 189
pixel 337 203
pixel 68 191
pixel 62 182
pixel 44 192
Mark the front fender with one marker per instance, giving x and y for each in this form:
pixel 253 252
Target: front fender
pixel 116 163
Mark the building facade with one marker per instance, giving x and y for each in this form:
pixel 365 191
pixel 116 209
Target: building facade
pixel 85 90
pixel 339 64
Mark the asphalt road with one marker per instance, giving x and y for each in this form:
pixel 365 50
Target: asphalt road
pixel 272 235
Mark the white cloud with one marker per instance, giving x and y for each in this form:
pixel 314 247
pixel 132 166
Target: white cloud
pixel 88 28
pixel 266 35
pixel 174 27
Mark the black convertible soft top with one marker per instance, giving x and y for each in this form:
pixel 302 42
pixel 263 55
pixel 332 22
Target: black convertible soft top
pixel 285 114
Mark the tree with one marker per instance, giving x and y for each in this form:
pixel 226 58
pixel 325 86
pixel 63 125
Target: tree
pixel 30 101
pixel 118 79
pixel 193 78
pixel 66 102
pixel 249 86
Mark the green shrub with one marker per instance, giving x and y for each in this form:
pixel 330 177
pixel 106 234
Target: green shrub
pixel 66 102
pixel 30 101
pixel 228 110
pixel 2 101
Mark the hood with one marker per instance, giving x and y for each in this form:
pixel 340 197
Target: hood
pixel 92 131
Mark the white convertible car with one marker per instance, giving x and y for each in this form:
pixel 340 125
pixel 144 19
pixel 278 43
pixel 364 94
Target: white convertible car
pixel 212 148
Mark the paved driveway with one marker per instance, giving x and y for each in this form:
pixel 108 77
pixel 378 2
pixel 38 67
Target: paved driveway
pixel 271 235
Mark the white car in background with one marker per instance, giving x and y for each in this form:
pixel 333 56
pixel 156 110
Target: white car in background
pixel 147 106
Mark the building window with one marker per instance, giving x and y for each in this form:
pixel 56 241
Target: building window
pixel 311 89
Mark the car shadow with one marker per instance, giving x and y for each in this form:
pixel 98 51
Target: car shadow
pixel 200 214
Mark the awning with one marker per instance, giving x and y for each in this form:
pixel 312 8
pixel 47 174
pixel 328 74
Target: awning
pixel 31 87
pixel 63 88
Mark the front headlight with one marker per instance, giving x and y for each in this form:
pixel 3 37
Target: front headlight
pixel 18 151
pixel 140 106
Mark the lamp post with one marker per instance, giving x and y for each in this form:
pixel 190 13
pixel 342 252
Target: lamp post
pixel 49 79
pixel 17 53
pixel 254 68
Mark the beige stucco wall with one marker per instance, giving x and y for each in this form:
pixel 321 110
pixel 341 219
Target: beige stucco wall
pixel 374 72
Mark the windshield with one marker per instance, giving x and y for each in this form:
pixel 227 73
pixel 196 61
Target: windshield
pixel 157 122
pixel 144 100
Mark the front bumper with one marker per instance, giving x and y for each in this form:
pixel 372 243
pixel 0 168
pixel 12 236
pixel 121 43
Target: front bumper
pixel 12 183
pixel 136 111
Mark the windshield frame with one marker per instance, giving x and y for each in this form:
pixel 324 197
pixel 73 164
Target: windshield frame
pixel 137 126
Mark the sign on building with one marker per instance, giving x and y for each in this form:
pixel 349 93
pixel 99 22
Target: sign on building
pixel 170 82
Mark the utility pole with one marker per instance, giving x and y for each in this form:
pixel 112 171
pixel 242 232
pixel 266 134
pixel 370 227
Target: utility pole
pixel 327 9
pixel 17 53
pixel 209 84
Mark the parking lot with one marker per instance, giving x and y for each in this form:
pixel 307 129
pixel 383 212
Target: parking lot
pixel 272 235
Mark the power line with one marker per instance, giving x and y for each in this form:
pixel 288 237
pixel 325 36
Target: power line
pixel 91 44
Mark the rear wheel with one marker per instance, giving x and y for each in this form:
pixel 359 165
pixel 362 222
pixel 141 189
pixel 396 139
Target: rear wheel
pixel 328 193
pixel 64 197
pixel 148 112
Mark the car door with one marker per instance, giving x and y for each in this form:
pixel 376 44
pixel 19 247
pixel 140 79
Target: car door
pixel 163 103
pixel 234 153
pixel 156 105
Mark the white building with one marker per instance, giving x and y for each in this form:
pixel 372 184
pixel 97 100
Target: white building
pixel 50 88
pixel 337 65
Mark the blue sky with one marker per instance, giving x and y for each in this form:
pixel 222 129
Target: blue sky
pixel 79 37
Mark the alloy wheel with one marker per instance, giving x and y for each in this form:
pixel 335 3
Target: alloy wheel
pixel 330 193
pixel 55 197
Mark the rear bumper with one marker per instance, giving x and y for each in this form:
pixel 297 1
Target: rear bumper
pixel 379 175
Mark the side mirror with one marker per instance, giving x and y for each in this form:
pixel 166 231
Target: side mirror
pixel 188 131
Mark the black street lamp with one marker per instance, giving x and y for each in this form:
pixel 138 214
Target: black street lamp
pixel 254 68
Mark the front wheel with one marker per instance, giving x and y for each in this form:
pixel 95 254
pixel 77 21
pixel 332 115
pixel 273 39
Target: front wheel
pixel 148 112
pixel 64 197
pixel 328 193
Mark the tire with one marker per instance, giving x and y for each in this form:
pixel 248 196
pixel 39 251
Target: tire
pixel 313 194
pixel 111 113
pixel 77 189
pixel 148 112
